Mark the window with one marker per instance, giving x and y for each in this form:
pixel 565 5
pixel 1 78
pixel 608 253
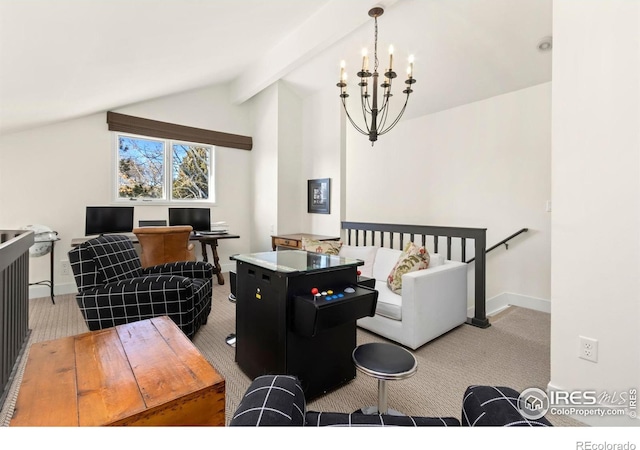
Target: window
pixel 154 169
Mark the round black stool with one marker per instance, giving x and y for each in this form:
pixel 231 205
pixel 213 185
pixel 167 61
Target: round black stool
pixel 384 362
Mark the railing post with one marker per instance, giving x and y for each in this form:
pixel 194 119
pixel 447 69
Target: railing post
pixel 479 318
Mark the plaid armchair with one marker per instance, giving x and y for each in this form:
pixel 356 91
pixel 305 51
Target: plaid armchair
pixel 113 288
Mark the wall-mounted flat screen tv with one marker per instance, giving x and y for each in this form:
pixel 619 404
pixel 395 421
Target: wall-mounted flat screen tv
pixel 108 220
pixel 198 218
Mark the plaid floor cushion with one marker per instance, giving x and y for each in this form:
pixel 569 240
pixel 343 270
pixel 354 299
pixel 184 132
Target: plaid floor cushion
pixel 271 400
pixel 495 406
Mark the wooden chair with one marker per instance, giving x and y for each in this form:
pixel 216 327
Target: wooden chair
pixel 161 245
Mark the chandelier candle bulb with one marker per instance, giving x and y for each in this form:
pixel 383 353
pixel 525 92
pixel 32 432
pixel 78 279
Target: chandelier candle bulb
pixel 365 60
pixel 410 70
pixel 390 58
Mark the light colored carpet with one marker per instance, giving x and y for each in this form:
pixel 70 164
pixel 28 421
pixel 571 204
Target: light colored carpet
pixel 513 352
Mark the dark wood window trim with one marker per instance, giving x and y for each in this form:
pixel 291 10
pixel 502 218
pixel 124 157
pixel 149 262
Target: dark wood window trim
pixel 154 128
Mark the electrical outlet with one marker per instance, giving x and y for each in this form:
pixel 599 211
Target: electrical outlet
pixel 588 349
pixel 65 268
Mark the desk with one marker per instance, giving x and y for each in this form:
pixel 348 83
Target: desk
pixel 294 241
pixel 211 240
pixel 145 373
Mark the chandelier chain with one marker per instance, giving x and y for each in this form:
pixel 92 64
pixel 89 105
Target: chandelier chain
pixel 375 46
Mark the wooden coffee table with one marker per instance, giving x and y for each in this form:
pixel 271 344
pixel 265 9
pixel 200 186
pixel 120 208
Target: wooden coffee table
pixel 141 373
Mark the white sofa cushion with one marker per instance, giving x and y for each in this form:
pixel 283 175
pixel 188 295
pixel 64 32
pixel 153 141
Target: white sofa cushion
pixel 363 253
pixel 389 303
pixel 385 259
pixel 436 259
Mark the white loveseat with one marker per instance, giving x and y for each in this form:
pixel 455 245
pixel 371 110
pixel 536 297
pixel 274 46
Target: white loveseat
pixel 432 301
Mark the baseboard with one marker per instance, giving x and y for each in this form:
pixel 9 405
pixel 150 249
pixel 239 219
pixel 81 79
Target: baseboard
pixel 600 421
pixel 502 301
pixel 39 291
pixel 227 267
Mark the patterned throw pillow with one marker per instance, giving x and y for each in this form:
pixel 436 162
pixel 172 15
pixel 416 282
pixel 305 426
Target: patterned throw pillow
pixel 413 258
pixel 326 247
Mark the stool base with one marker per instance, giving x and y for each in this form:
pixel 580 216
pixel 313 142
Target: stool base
pixel 373 410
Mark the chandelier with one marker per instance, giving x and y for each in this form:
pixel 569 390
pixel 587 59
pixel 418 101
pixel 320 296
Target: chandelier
pixel 375 117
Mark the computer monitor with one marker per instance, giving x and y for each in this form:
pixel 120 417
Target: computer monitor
pixel 198 218
pixel 108 220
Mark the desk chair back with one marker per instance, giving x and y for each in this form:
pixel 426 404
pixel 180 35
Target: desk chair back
pixel 161 245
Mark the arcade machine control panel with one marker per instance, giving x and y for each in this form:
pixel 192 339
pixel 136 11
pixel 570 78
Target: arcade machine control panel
pixel 326 307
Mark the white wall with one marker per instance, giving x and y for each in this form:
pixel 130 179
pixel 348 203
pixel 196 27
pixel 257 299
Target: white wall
pixel 323 157
pixel 48 175
pixel 295 140
pixel 291 184
pixel 596 193
pixel 485 164
pixel 264 171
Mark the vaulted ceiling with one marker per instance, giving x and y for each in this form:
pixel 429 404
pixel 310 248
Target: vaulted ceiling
pixel 61 59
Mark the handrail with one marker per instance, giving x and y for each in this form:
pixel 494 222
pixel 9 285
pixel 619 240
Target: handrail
pixel 504 241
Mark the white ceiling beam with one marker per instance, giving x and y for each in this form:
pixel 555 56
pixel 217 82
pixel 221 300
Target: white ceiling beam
pixel 334 21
